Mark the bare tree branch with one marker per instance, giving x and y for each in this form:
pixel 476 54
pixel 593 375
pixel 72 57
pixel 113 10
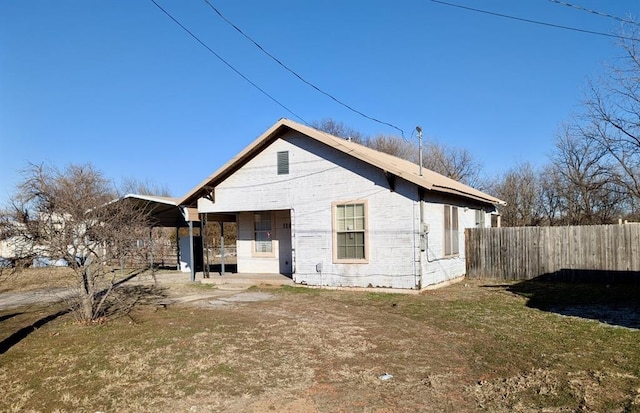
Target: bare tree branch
pixel 70 216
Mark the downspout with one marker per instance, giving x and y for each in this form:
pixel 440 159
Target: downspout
pixel 292 230
pixel 416 259
pixel 423 235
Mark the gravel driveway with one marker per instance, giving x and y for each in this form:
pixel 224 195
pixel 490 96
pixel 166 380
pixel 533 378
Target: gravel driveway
pixel 24 298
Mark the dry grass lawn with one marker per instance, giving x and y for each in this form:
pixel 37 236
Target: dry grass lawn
pixel 465 348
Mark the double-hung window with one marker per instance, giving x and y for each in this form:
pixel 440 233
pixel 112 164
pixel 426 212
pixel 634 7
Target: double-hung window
pixel 262 232
pixel 451 239
pixel 350 232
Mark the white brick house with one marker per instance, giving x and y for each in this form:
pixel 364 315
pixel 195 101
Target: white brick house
pixel 329 212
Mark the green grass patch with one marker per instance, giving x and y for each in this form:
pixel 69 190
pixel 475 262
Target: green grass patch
pixel 201 286
pixel 301 290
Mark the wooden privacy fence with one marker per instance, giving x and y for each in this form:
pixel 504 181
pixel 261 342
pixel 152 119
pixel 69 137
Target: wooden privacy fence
pixel 598 252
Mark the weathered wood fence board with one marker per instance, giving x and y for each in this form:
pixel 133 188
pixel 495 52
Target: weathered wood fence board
pixel 523 253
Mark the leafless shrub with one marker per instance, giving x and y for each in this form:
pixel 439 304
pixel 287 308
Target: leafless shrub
pixel 71 216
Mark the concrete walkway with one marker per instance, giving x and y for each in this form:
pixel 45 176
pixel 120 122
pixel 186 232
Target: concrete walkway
pixel 227 286
pixel 245 279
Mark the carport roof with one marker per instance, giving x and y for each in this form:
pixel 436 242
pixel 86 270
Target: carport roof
pixel 164 211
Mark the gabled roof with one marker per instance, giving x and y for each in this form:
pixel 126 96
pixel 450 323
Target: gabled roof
pixel 409 171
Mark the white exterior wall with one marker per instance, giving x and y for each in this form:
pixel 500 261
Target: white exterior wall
pixel 318 177
pixel 185 254
pixel 248 261
pixel 435 266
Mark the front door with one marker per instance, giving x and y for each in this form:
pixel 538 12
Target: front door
pixel 283 225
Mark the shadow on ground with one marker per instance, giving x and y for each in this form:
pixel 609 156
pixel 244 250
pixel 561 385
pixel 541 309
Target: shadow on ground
pixel 614 304
pixel 24 332
pixel 228 268
pixel 125 298
pixel 120 302
pixel 8 316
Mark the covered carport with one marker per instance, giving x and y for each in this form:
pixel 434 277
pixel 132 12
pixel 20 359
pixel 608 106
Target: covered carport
pixel 167 213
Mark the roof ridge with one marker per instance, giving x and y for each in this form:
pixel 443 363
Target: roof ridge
pixel 447 182
pixel 390 163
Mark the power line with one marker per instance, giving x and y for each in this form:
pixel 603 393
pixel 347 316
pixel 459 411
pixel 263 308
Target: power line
pixel 558 26
pixel 293 72
pixel 227 63
pixel 578 7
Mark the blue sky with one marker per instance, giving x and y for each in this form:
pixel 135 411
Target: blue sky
pixel 118 84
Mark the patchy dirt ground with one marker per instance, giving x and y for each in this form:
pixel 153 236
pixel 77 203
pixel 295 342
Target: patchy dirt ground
pixel 465 348
pixel 173 287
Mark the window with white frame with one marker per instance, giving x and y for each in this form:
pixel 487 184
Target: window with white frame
pixel 350 232
pixel 451 240
pixel 262 232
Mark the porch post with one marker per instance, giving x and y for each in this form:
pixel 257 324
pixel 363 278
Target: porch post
pixel 191 253
pixel 221 248
pixel 205 247
pixel 151 248
pixel 177 247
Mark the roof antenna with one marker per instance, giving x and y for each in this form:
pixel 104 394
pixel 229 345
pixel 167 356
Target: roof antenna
pixel 419 129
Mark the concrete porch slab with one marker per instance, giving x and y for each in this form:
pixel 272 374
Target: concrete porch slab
pixel 245 280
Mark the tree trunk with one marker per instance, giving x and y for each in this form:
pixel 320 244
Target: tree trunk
pixel 88 296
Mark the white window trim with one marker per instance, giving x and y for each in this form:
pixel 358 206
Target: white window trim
pixel 255 253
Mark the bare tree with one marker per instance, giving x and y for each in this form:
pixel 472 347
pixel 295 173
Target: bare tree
pixel 340 130
pixel 454 163
pixel 552 204
pixel 584 179
pixel 394 145
pixel 519 188
pixel 135 186
pixel 612 117
pixel 71 215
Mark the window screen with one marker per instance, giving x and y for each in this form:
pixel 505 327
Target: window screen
pixel 451 240
pixel 262 231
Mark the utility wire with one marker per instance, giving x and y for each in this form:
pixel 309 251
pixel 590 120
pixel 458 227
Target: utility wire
pixel 293 72
pixel 534 21
pixel 578 7
pixel 227 63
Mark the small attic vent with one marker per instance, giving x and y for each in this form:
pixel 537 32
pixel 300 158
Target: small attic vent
pixel 283 163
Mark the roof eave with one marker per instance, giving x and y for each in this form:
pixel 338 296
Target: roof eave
pixel 278 129
pixel 490 201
